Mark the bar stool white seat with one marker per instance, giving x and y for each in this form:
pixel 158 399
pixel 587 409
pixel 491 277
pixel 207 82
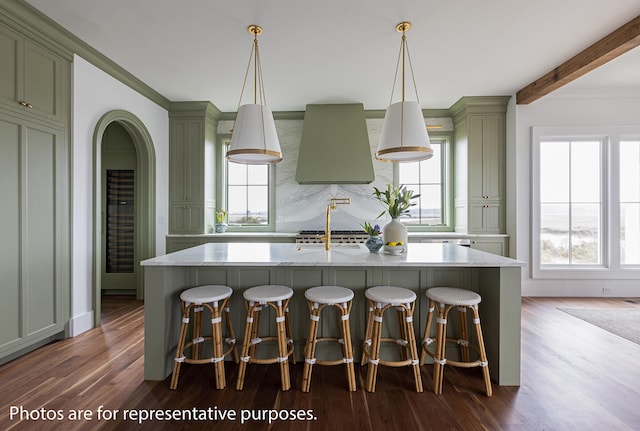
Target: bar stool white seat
pixel 214 298
pixel 380 299
pixel 276 297
pixel 318 298
pixel 445 298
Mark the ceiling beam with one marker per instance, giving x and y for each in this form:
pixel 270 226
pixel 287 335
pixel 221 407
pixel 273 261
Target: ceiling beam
pixel 606 49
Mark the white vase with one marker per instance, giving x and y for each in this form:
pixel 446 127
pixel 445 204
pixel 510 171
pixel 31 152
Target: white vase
pixel 394 231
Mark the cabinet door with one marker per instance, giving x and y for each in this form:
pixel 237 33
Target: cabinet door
pixel 493 157
pixel 186 167
pixel 186 218
pixel 31 77
pixel 35 231
pixel 495 246
pixel 10 67
pixel 486 157
pixel 10 313
pixel 486 217
pixel 42 81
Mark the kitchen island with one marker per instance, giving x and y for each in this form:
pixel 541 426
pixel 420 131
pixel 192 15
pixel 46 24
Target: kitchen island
pixel 300 266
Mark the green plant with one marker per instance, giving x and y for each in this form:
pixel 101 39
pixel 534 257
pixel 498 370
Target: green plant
pixel 221 215
pixel 397 200
pixel 371 230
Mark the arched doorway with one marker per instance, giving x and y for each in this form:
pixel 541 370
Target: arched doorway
pixel 144 236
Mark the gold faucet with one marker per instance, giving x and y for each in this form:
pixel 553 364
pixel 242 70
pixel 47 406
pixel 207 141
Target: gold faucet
pixel 331 206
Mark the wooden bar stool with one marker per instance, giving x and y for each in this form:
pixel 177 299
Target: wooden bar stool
pixel 317 299
pixel 445 298
pixel 380 299
pixel 276 297
pixel 215 299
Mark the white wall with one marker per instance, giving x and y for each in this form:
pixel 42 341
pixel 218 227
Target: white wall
pixel 563 108
pixel 94 94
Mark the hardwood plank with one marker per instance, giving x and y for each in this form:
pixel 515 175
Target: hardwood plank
pixel 606 49
pixel 574 376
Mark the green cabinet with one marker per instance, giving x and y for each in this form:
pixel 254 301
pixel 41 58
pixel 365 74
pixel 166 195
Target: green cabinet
pixel 34 252
pixel 479 155
pixel 192 130
pixel 32 77
pixel 496 245
pixel 35 92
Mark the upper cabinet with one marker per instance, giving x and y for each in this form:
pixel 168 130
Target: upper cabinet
pixel 32 78
pixel 192 128
pixel 479 154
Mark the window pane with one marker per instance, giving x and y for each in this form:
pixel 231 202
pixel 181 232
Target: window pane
pixel 431 204
pixel 630 171
pixel 410 173
pixel 258 175
pixel 630 202
pixel 430 169
pixel 426 178
pixel 554 234
pixel 585 172
pixel 236 173
pixel 258 201
pixel 630 233
pixel 585 234
pixel 554 171
pixel 237 203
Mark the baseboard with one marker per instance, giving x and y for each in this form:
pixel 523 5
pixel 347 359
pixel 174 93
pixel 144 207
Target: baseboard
pixel 81 323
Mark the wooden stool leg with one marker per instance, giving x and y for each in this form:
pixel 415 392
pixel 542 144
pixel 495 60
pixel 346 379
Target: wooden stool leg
pixel 347 348
pixel 231 333
pixel 218 351
pixel 413 351
pixel 197 330
pixel 366 346
pixel 310 347
pixel 426 339
pixel 246 344
pixel 283 358
pixel 463 339
pixel 255 332
pixel 402 330
pixel 292 358
pixel 372 367
pixel 484 363
pixel 179 350
pixel 441 341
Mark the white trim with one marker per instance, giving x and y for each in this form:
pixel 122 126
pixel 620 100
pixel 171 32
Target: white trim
pixel 81 323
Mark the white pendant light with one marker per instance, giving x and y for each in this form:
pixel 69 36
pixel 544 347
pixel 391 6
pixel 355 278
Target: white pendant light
pixel 254 140
pixel 404 135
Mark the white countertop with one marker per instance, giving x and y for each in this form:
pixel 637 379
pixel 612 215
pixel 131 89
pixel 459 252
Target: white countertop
pixel 271 254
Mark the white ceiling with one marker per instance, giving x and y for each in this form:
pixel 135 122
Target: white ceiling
pixel 343 51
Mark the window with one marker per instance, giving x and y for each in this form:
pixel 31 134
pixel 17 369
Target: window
pixel 248 195
pixel 570 202
pixel 585 202
pixel 428 178
pixel 630 202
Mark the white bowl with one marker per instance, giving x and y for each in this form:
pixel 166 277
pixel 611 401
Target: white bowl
pixel 395 249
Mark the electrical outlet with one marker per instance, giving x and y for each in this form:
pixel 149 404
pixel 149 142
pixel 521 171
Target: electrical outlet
pixel 606 291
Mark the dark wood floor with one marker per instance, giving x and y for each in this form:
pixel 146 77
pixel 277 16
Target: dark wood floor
pixel 575 376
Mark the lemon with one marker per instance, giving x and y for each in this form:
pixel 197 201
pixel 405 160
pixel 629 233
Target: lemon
pixel 392 243
pixel 400 243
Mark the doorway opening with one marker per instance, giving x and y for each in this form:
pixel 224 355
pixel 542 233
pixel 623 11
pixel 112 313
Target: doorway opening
pixel 124 206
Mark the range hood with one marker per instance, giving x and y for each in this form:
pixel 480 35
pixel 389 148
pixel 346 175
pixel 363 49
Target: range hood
pixel 335 146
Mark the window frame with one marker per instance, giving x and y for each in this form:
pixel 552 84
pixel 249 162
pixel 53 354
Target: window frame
pixel 446 176
pixel 610 267
pixel 222 191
